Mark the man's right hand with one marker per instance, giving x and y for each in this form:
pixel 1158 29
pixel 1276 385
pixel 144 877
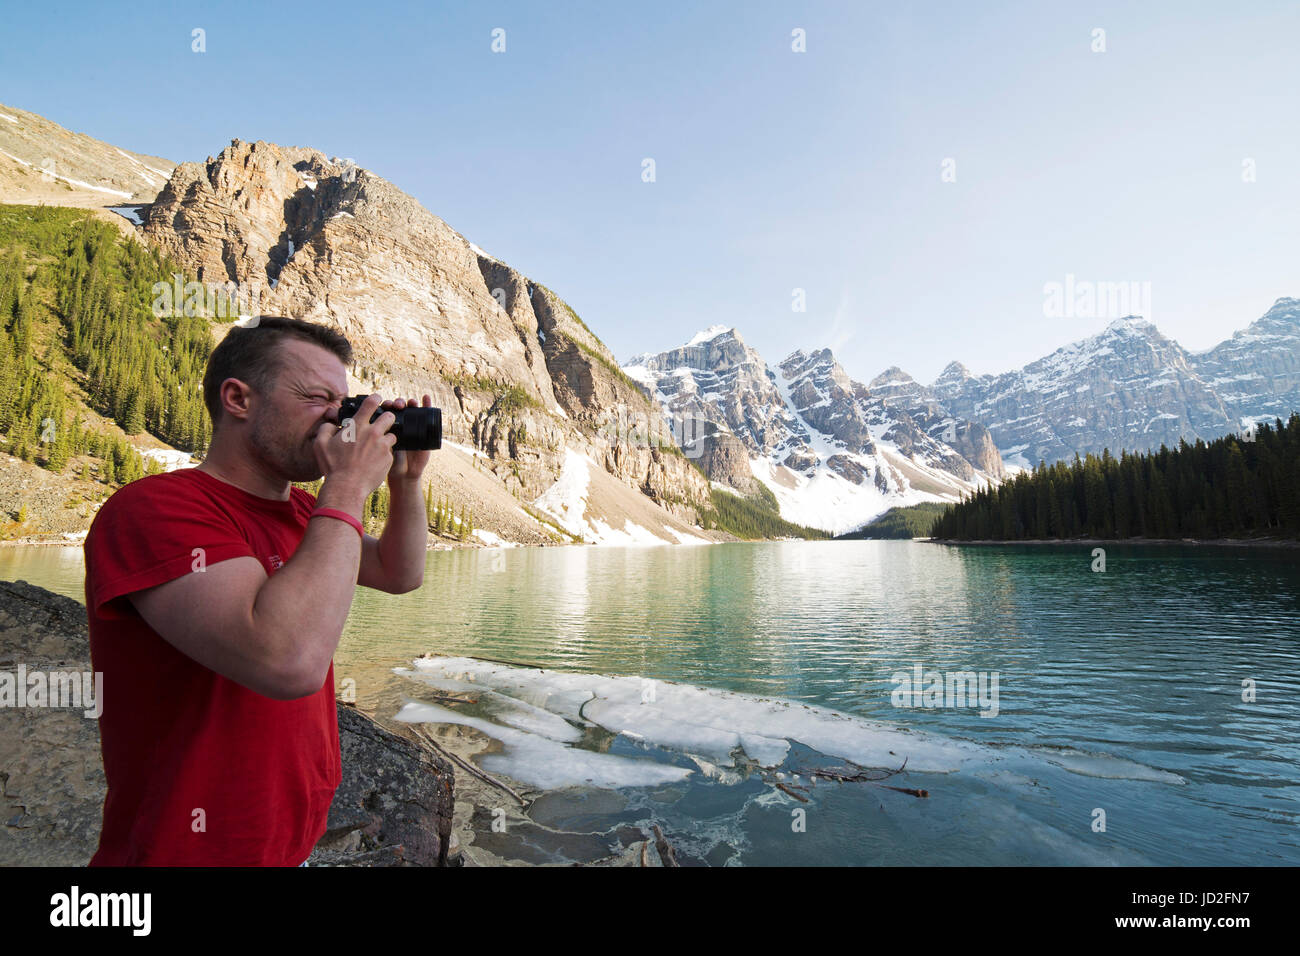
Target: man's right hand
pixel 358 455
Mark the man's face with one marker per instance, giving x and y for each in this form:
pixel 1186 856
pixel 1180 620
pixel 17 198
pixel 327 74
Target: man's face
pixel 306 393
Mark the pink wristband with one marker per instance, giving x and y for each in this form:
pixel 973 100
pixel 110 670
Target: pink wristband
pixel 342 516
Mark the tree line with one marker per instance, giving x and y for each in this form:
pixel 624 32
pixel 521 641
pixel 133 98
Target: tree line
pixel 753 518
pixel 1234 486
pixel 48 255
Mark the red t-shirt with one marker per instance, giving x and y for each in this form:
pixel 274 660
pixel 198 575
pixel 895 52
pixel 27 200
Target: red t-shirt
pixel 176 736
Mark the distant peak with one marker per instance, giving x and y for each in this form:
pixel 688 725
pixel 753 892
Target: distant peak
pixel 1129 323
pixel 954 372
pixel 893 374
pixel 1284 306
pixel 712 332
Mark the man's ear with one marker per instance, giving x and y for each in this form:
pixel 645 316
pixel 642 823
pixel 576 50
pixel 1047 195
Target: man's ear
pixel 236 398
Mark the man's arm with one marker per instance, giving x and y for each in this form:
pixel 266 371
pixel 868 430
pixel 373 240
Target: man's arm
pixel 394 562
pixel 275 635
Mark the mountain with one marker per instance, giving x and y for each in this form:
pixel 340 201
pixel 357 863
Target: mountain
pixel 834 452
pixel 41 162
pixel 525 386
pixel 1256 373
pixel 1132 388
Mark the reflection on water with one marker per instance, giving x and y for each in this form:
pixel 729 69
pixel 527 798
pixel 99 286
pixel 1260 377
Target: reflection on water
pixel 1143 663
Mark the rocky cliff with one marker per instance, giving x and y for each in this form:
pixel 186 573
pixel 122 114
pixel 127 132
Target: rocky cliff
pixel 518 375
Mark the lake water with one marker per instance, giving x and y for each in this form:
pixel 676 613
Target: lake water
pixel 672 684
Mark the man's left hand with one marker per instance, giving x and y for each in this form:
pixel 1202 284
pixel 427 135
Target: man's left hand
pixel 408 466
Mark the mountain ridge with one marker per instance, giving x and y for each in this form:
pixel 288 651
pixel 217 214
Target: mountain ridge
pixel 833 454
pixel 523 382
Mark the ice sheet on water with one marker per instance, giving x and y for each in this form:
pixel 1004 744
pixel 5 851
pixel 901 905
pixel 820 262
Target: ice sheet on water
pixel 705 723
pixel 713 724
pixel 1104 765
pixel 547 763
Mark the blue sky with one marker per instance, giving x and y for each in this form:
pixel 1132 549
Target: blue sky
pixel 775 170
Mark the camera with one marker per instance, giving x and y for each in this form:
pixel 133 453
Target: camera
pixel 417 428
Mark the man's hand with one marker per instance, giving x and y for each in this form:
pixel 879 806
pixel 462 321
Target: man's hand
pixel 394 562
pixel 408 465
pixel 357 456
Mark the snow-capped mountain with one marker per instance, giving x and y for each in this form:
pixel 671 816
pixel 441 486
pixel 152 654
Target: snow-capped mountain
pixel 1256 373
pixel 834 452
pixel 1131 388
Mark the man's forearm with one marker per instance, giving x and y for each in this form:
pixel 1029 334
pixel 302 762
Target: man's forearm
pixel 403 546
pixel 301 609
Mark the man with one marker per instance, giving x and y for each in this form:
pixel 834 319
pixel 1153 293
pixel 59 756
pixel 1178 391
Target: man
pixel 216 598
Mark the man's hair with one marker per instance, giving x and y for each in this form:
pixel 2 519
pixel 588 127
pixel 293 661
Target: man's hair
pixel 252 355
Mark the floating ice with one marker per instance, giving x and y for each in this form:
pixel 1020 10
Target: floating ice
pixel 546 763
pixel 536 714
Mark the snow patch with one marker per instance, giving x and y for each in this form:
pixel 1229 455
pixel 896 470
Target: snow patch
pixel 155 181
pixel 566 500
pixel 492 539
pixel 683 538
pixel 1013 457
pixel 712 332
pixel 170 458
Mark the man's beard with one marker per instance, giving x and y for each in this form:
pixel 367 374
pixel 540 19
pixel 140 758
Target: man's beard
pixel 290 457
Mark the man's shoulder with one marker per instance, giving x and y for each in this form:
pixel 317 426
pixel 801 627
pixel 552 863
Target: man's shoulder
pixel 147 495
pixel 163 483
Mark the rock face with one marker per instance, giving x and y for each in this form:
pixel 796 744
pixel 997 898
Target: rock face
pixel 516 372
pixel 393 807
pixel 725 459
pixel 395 802
pixel 50 766
pixel 1131 388
pixel 914 403
pixel 835 452
pixel 717 378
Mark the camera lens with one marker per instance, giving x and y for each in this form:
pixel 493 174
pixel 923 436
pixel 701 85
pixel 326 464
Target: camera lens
pixel 417 428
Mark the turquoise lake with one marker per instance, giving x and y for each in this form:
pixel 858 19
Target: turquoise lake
pixel 672 684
